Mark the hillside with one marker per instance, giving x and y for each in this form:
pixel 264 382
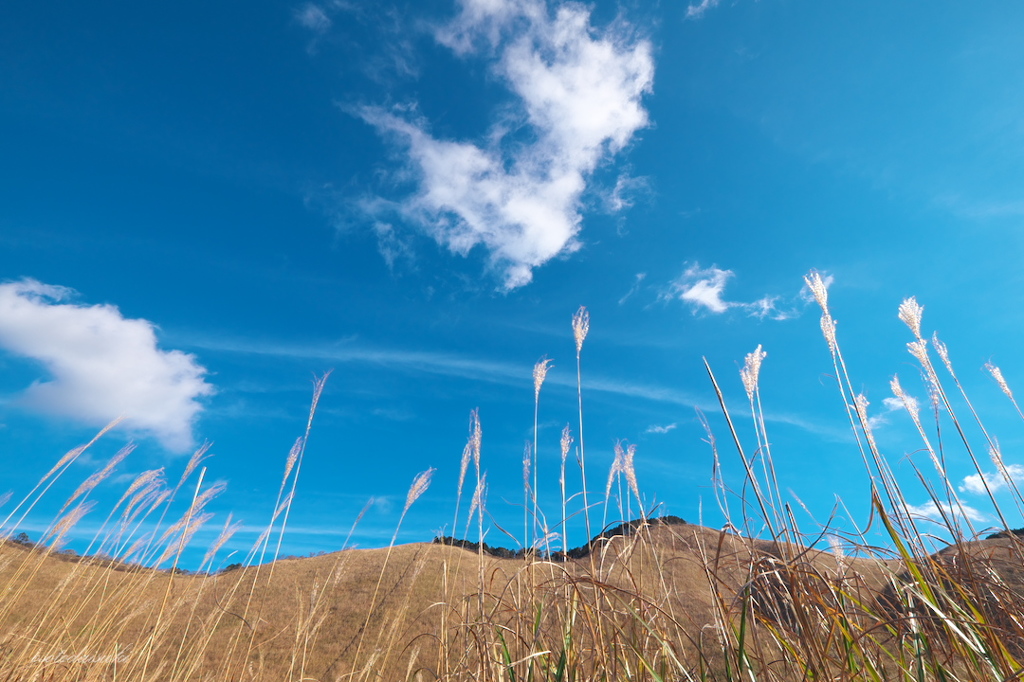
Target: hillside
pixel 668 598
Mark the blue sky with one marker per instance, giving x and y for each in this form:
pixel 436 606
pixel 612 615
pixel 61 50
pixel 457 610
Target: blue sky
pixel 203 207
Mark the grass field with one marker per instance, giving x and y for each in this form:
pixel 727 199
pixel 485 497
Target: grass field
pixel 662 601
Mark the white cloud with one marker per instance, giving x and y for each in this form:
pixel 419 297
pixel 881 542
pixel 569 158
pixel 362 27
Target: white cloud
pixel 624 194
pixel 996 482
pixel 892 404
pixel 579 92
pixel 877 421
pixel 101 364
pixel 656 428
pixel 704 290
pixel 697 11
pixel 929 510
pixel 314 18
pixel 767 307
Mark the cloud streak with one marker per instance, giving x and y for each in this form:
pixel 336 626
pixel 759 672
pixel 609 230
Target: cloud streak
pixel 697 11
pixel 503 373
pixel 313 18
pixel 578 93
pixel 101 364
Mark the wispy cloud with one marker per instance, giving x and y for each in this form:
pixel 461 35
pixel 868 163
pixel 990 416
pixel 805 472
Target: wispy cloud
pixel 657 428
pixel 981 209
pixel 625 192
pixel 994 480
pixel 637 281
pixel 703 289
pixel 101 364
pixel 314 18
pixel 503 373
pixel 579 93
pixel 391 245
pixel 932 511
pixel 697 11
pixel 445 364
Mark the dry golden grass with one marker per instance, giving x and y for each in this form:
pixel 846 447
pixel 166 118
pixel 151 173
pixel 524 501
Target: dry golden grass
pixel 671 599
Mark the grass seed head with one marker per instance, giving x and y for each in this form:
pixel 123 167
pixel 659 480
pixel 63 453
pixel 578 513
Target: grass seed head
pixel 142 496
pixel 143 480
pixel 540 372
pixel 467 454
pixel 860 402
pixel 629 469
pixel 996 455
pixel 204 497
pixel 909 402
pixel 159 499
pixel 910 313
pixel 479 495
pixel 943 352
pixel 195 460
pixel 181 542
pixel 919 349
pixel 580 327
pixel 293 457
pixel 836 545
pixel 68 521
pixel 74 453
pixel 225 534
pixel 418 487
pixel 997 374
pixel 136 547
pixel 751 370
pixel 818 288
pixel 476 439
pixel 566 442
pixel 617 468
pixel 828 328
pixel 99 476
pixel 70 455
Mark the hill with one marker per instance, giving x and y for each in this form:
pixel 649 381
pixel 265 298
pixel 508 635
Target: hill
pixel 661 601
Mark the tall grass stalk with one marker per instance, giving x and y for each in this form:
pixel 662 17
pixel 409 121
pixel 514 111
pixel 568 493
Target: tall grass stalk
pixel 580 329
pixel 418 487
pixel 565 444
pixel 540 372
pixel 147 655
